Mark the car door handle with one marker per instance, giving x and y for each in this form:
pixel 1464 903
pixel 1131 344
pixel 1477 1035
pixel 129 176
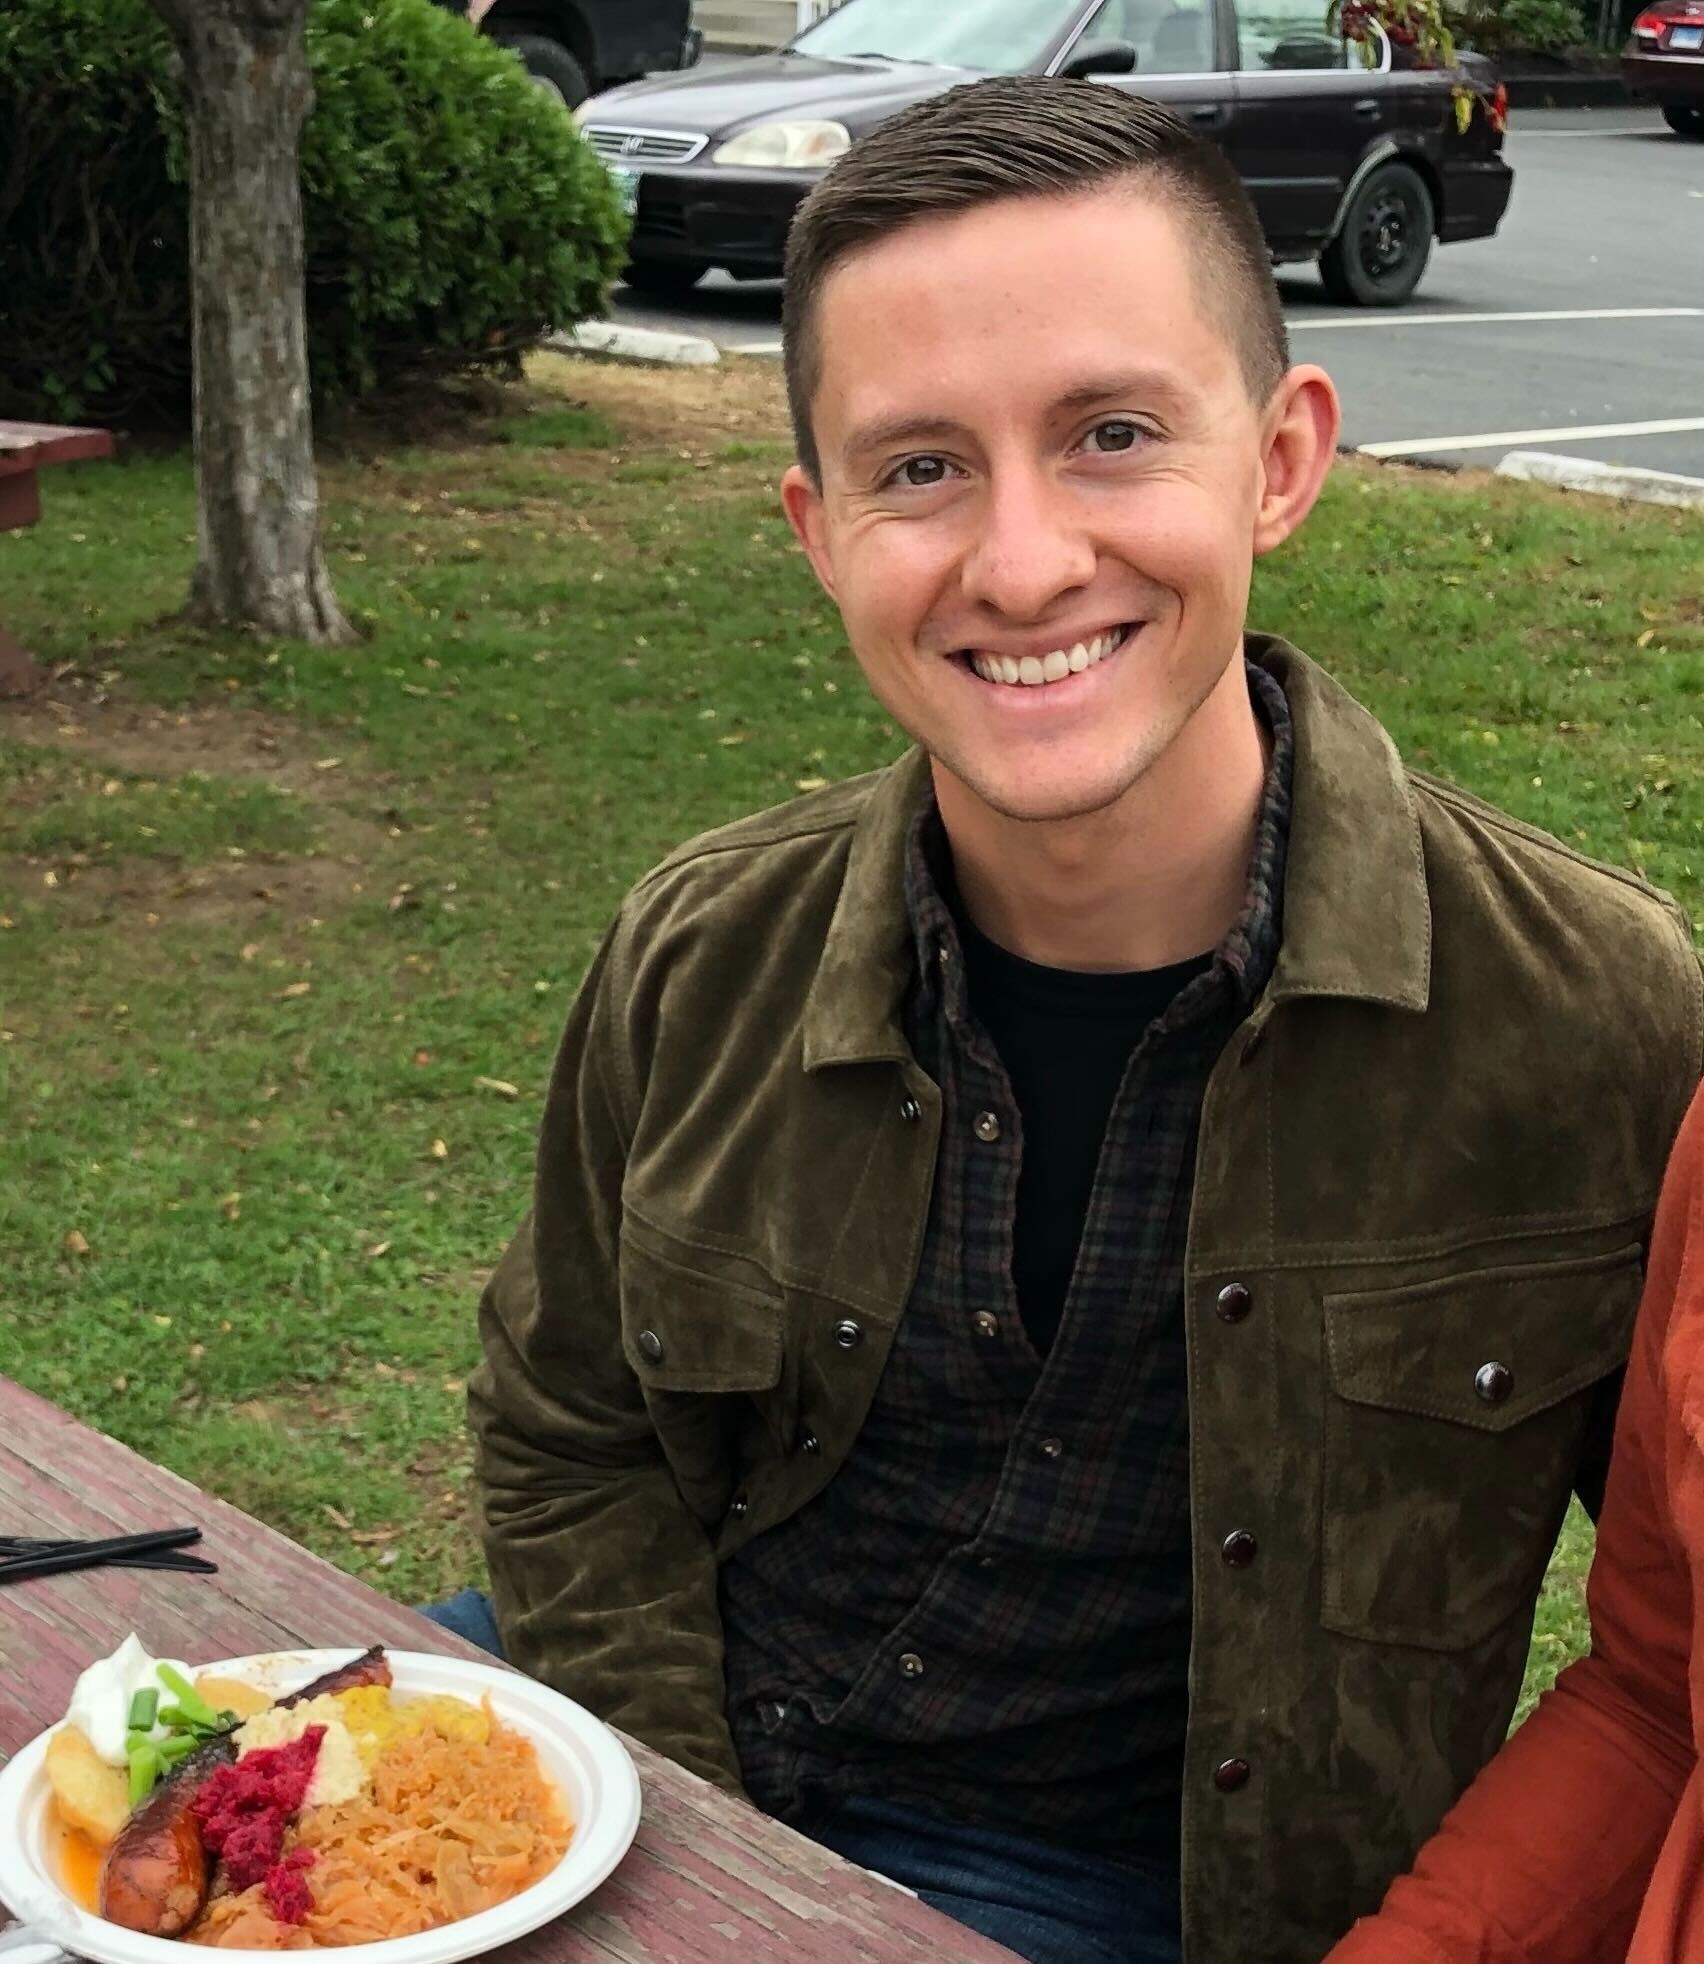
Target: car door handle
pixel 1369 109
pixel 1207 112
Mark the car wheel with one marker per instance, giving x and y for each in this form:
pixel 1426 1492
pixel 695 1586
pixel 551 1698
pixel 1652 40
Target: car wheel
pixel 552 68
pixel 1684 122
pixel 1382 246
pixel 662 279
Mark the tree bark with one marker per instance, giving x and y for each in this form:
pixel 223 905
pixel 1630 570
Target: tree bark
pixel 247 93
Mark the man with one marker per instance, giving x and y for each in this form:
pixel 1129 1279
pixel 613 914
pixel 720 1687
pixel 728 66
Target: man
pixel 1071 1279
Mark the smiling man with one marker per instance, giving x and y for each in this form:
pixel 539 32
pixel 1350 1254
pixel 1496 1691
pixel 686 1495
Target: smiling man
pixel 1071 1280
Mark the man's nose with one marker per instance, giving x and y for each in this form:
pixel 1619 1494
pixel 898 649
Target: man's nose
pixel 1032 548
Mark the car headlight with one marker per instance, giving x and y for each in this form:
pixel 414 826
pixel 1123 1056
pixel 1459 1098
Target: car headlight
pixel 787 146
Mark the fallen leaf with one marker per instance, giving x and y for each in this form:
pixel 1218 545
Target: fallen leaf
pixel 76 1243
pixel 438 1150
pixel 294 991
pixel 342 1520
pixel 231 1206
pixel 163 1322
pixel 501 1086
pixel 378 1248
pixel 1645 639
pixel 198 1351
pixel 422 1056
pixel 373 1537
pixel 810 784
pixel 249 950
pixel 455 1386
pixel 388 1558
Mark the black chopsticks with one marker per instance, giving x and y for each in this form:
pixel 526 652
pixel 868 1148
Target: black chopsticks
pixel 22 1558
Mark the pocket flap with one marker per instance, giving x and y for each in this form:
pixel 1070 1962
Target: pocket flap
pixel 684 1329
pixel 1487 1349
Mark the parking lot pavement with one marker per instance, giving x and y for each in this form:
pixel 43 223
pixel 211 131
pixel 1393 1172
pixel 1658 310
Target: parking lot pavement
pixel 1579 329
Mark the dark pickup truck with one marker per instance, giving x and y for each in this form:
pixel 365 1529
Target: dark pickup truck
pixel 575 48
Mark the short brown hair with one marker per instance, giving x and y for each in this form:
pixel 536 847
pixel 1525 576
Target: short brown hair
pixel 1026 136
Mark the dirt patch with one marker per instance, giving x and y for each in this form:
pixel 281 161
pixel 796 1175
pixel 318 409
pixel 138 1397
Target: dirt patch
pixel 149 893
pixel 743 398
pixel 78 718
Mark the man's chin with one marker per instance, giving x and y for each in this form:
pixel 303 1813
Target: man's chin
pixel 1047 799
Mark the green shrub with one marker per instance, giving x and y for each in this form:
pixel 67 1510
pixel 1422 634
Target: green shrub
pixel 1500 27
pixel 451 213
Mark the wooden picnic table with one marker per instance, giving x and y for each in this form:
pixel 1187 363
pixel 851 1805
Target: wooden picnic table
pixel 26 449
pixel 708 1878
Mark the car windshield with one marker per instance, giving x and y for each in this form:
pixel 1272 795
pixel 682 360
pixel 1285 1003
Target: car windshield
pixel 999 36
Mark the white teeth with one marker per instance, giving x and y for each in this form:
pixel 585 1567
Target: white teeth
pixel 1055 666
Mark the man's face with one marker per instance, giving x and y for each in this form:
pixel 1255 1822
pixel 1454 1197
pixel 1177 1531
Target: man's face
pixel 1043 487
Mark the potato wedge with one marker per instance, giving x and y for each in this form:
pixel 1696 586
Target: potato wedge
pixel 89 1794
pixel 232 1695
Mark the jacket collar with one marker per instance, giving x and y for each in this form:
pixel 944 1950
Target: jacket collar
pixel 1357 916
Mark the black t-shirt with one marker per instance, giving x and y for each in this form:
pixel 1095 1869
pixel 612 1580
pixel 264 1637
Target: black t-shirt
pixel 1065 1039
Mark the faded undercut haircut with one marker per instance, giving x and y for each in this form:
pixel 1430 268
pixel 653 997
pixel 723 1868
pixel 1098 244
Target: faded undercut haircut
pixel 1025 136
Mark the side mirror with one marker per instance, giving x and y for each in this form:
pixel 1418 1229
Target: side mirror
pixel 1102 58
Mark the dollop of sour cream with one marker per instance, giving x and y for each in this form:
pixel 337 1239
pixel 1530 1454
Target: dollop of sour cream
pixel 100 1704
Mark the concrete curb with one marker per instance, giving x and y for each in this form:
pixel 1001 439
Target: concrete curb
pixel 647 344
pixel 1604 480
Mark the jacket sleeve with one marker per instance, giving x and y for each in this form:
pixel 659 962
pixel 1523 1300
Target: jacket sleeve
pixel 1546 1858
pixel 604 1581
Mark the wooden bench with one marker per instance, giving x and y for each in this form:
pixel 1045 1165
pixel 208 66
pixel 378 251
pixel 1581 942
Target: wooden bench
pixel 709 1880
pixel 26 449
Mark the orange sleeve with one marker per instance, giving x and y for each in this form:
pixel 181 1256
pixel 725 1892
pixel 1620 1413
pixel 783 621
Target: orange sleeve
pixel 1546 1858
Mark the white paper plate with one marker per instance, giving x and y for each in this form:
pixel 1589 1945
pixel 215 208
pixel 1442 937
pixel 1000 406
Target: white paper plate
pixel 581 1755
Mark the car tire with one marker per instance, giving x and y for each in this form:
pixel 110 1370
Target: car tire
pixel 552 68
pixel 1384 241
pixel 662 279
pixel 1683 121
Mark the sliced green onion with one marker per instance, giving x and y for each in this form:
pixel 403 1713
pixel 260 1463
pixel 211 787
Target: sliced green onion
pixel 190 1702
pixel 143 1708
pixel 179 1746
pixel 145 1769
pixel 135 1741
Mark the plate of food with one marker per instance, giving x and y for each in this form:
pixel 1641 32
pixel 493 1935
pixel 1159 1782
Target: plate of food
pixel 395 1806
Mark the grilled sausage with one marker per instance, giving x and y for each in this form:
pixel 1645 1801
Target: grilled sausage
pixel 156 1876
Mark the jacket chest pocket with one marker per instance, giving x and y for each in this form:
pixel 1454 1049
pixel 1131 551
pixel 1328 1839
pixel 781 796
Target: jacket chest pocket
pixel 1455 1414
pixel 709 1350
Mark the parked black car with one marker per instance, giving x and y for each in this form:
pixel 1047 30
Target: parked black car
pixel 573 48
pixel 1360 168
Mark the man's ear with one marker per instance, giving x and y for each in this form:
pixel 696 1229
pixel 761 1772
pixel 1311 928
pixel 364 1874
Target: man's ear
pixel 802 501
pixel 1300 427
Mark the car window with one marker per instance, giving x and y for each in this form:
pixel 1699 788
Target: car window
pixel 998 36
pixel 1273 34
pixel 1171 37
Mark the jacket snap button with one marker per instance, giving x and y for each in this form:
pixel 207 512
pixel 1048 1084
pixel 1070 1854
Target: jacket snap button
pixel 1231 1774
pixel 910 1110
pixel 911 1665
pixel 848 1334
pixel 987 1127
pixel 1493 1383
pixel 810 1443
pixel 1239 1549
pixel 1234 1302
pixel 650 1346
pixel 985 1323
pixel 739 1507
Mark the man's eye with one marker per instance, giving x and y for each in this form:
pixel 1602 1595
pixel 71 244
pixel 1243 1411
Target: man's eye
pixel 1111 437
pixel 921 472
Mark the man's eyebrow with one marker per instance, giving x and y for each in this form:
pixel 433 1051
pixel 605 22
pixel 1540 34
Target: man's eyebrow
pixel 885 432
pixel 1153 385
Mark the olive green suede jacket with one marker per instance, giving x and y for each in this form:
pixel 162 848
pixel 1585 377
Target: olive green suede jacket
pixel 1427 1165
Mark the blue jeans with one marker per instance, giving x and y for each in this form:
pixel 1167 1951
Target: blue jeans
pixel 1052 1905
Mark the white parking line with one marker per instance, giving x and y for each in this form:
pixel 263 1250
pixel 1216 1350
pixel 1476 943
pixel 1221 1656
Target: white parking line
pixel 1515 439
pixel 1479 320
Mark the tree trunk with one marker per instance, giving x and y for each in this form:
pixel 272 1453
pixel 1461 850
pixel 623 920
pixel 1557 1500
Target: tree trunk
pixel 247 93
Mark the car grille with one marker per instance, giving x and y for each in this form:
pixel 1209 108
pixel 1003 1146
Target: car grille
pixel 616 144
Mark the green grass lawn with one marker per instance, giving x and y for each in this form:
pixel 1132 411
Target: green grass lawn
pixel 286 935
